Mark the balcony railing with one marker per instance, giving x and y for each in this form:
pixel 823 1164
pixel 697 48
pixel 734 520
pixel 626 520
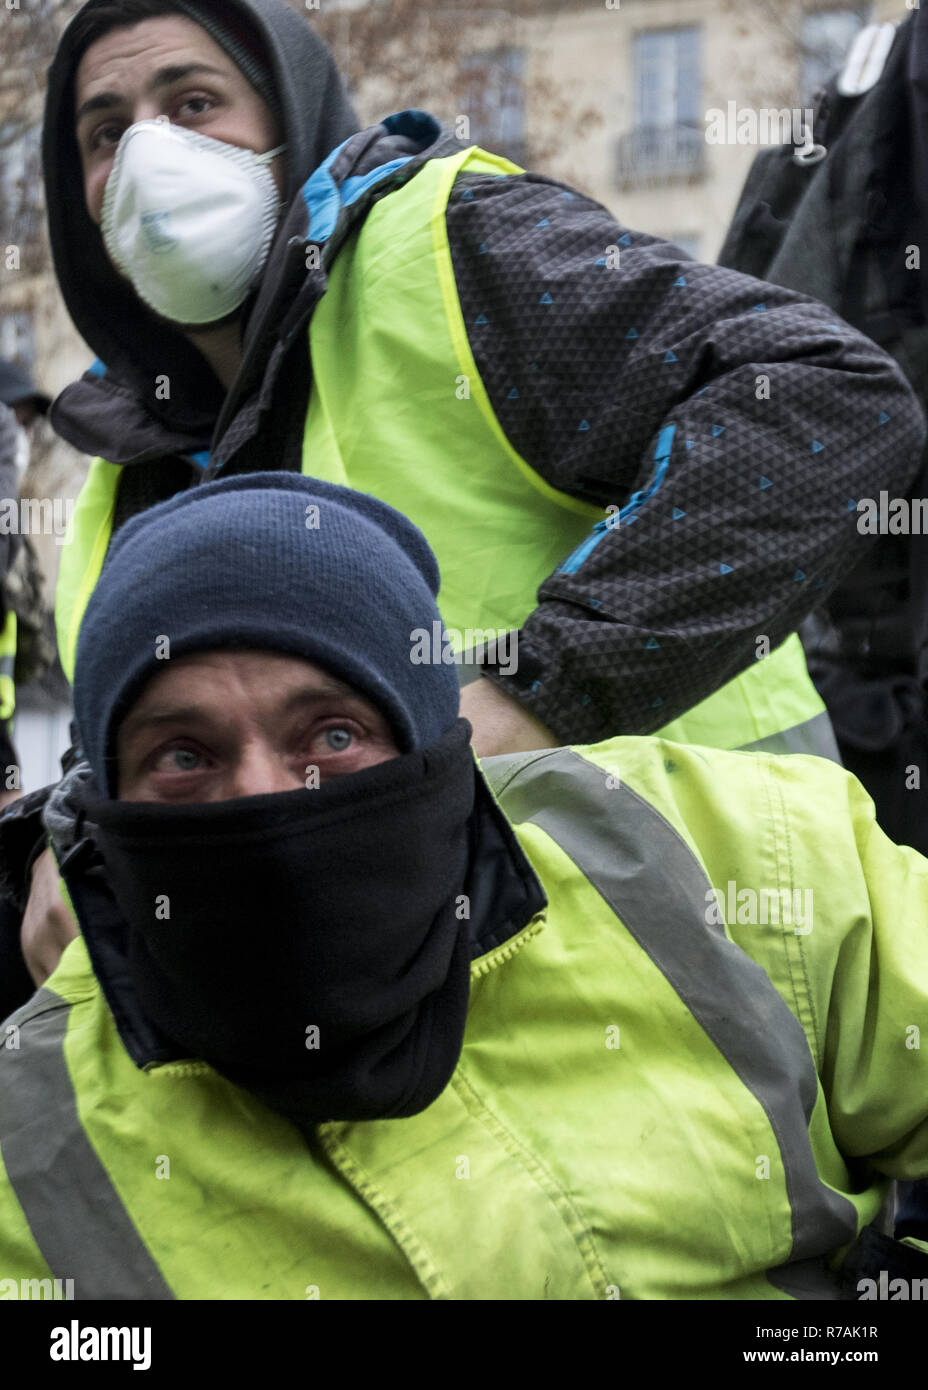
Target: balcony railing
pixel 658 154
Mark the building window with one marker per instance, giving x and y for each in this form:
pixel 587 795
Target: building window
pixel 827 36
pixel 668 138
pixel 494 101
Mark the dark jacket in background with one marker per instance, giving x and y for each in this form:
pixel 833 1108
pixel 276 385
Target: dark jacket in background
pixel 850 231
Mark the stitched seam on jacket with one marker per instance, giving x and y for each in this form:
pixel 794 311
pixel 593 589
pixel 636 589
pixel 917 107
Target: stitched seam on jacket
pixel 410 1246
pixel 577 1229
pixel 805 1011
pixel 772 810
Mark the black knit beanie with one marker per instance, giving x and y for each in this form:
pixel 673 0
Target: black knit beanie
pixel 268 562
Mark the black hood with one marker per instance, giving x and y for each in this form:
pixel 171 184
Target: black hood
pixel 134 345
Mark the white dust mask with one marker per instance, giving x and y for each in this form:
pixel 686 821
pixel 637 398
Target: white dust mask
pixel 188 219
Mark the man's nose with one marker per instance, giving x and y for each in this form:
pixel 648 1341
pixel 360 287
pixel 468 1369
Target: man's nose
pixel 260 770
pixel 147 109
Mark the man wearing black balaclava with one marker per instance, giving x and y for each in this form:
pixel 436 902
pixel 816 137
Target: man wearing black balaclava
pixel 639 465
pixel 338 1020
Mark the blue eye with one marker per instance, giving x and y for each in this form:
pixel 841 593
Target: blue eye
pixel 338 739
pixel 186 760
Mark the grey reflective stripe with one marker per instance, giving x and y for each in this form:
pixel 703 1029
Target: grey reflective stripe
pixel 7 665
pixel 76 1216
pixel 813 735
pixel 649 877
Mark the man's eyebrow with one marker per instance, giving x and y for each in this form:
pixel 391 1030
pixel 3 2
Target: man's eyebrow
pixel 135 723
pixel 332 688
pixel 164 77
pixel 196 714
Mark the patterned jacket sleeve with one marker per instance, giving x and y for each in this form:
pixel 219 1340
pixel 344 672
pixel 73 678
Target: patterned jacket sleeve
pixel 734 423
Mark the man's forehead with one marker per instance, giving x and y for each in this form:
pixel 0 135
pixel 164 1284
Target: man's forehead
pixel 126 57
pixel 271 675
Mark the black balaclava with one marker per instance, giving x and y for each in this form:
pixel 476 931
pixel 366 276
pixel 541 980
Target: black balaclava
pixel 316 117
pixel 308 944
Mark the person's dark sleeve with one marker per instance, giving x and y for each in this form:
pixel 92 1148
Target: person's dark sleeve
pixel 48 817
pixel 736 423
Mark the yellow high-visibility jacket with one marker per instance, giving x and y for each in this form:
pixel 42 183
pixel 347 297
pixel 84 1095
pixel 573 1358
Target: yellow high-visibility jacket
pixel 692 1076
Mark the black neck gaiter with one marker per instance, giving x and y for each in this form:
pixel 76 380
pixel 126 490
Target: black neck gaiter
pixel 309 944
